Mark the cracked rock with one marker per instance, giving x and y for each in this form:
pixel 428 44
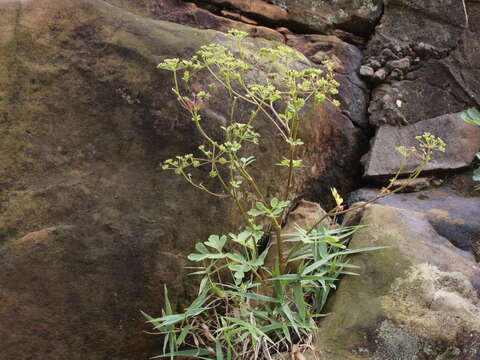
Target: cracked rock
pixel 462 139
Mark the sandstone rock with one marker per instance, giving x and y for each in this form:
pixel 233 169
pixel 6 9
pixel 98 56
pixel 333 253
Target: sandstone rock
pixel 356 17
pixel 453 216
pixel 259 8
pixel 188 13
pixel 91 228
pixel 322 17
pixel 305 215
pixel 347 57
pixel 380 75
pixel 418 184
pixel 462 142
pixel 347 60
pixel 402 64
pixel 366 71
pixel 436 39
pixel 386 312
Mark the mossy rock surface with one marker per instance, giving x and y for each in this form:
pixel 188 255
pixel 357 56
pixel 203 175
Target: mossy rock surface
pixel 418 298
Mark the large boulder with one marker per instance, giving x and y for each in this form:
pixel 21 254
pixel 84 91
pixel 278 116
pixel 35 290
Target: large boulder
pixel 188 13
pixel 346 59
pixel 358 17
pixel 91 228
pixel 453 216
pixel 416 299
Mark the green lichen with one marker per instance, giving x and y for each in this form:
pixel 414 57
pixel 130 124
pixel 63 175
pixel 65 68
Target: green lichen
pixel 397 344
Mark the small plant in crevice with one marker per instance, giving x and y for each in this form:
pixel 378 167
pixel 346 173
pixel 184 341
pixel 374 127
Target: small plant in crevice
pixel 472 116
pixel 256 301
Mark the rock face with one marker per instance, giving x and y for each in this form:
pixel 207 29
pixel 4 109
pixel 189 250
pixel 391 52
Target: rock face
pixel 453 216
pixel 188 13
pixel 462 139
pixel 310 16
pixel 347 59
pixel 428 52
pixel 91 228
pixel 416 299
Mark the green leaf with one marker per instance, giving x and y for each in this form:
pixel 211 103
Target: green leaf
pixel 254 296
pixel 195 353
pixel 286 332
pixel 203 285
pixel 183 334
pixel 274 202
pixel 255 332
pixel 472 116
pixel 476 174
pixel 261 206
pixel 299 277
pixel 236 257
pixel 201 248
pixel 254 212
pixel 299 299
pixel 216 242
pixel 168 306
pixel 200 257
pixel 218 350
pixel 288 313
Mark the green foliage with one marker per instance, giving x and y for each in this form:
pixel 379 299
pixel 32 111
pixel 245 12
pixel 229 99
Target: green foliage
pixel 472 116
pixel 246 307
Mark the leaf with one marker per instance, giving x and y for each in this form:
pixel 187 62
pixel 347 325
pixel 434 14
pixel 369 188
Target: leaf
pixel 254 212
pixel 163 321
pixel 255 332
pixel 195 353
pixel 200 257
pixel 472 116
pixel 259 261
pixel 476 174
pixel 236 257
pixel 203 285
pixel 299 299
pixel 286 332
pixel 254 296
pixel 216 242
pixel 323 261
pixel 200 247
pixel 274 202
pixel 168 306
pixel 183 334
pixel 261 206
pixel 288 313
pixel 218 350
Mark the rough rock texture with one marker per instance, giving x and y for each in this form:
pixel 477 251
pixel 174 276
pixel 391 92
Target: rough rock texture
pixel 428 51
pixel 416 299
pixel 462 143
pixel 358 17
pixel 91 228
pixel 453 216
pixel 305 215
pixel 188 13
pixel 347 58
